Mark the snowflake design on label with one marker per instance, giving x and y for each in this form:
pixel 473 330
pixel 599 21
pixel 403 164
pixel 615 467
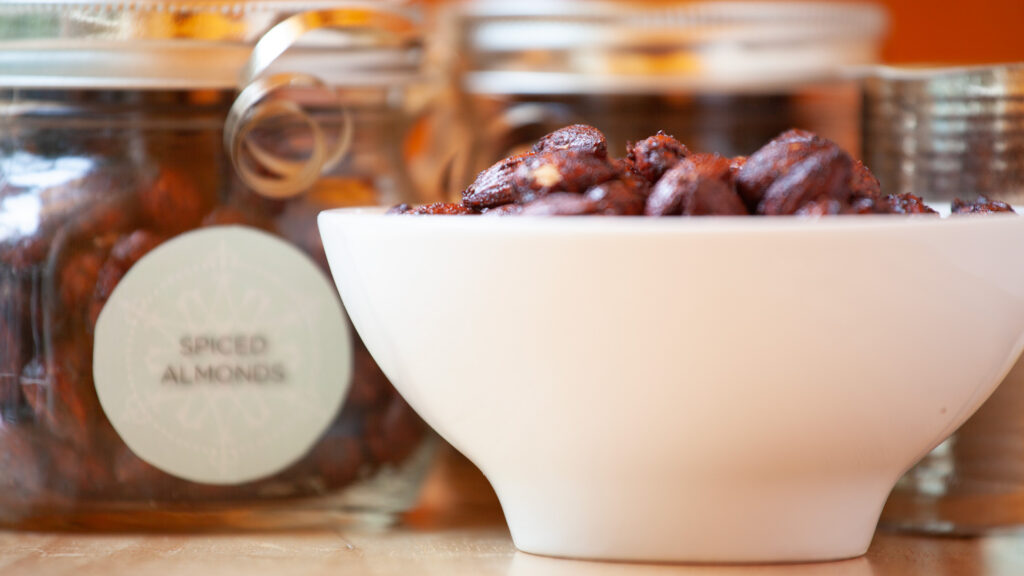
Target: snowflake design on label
pixel 222 356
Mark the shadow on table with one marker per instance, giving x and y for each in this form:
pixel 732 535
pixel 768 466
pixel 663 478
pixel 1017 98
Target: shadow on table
pixel 530 565
pixel 456 495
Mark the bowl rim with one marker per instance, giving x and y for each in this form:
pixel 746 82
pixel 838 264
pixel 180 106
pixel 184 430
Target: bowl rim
pixel 643 225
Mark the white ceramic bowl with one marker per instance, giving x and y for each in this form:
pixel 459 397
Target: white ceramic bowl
pixel 707 389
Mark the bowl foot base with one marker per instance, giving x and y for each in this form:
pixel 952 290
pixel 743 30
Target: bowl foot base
pixel 787 522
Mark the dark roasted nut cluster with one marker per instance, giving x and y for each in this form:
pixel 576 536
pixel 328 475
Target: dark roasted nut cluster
pixel 57 449
pixel 982 205
pixel 656 155
pixel 699 185
pixel 569 173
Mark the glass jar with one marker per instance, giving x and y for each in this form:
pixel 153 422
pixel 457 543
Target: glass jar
pixel 172 350
pixel 719 76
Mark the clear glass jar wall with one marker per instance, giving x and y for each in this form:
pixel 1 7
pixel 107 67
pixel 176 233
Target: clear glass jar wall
pixel 92 180
pixel 721 77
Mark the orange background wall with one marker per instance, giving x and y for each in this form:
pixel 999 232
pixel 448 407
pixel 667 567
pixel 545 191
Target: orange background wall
pixel 955 31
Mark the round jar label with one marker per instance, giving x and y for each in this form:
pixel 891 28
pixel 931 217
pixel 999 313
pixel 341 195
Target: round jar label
pixel 222 356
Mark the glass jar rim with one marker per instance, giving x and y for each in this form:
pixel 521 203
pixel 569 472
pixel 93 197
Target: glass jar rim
pixel 187 44
pixel 620 46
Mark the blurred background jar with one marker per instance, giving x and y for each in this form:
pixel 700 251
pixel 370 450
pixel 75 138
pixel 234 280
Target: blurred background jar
pixel 947 132
pixel 719 76
pixel 122 134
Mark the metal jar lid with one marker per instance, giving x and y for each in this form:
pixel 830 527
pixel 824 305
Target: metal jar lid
pixel 944 133
pixel 618 46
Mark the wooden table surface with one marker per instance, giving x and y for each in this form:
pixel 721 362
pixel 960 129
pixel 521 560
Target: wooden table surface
pixel 457 530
